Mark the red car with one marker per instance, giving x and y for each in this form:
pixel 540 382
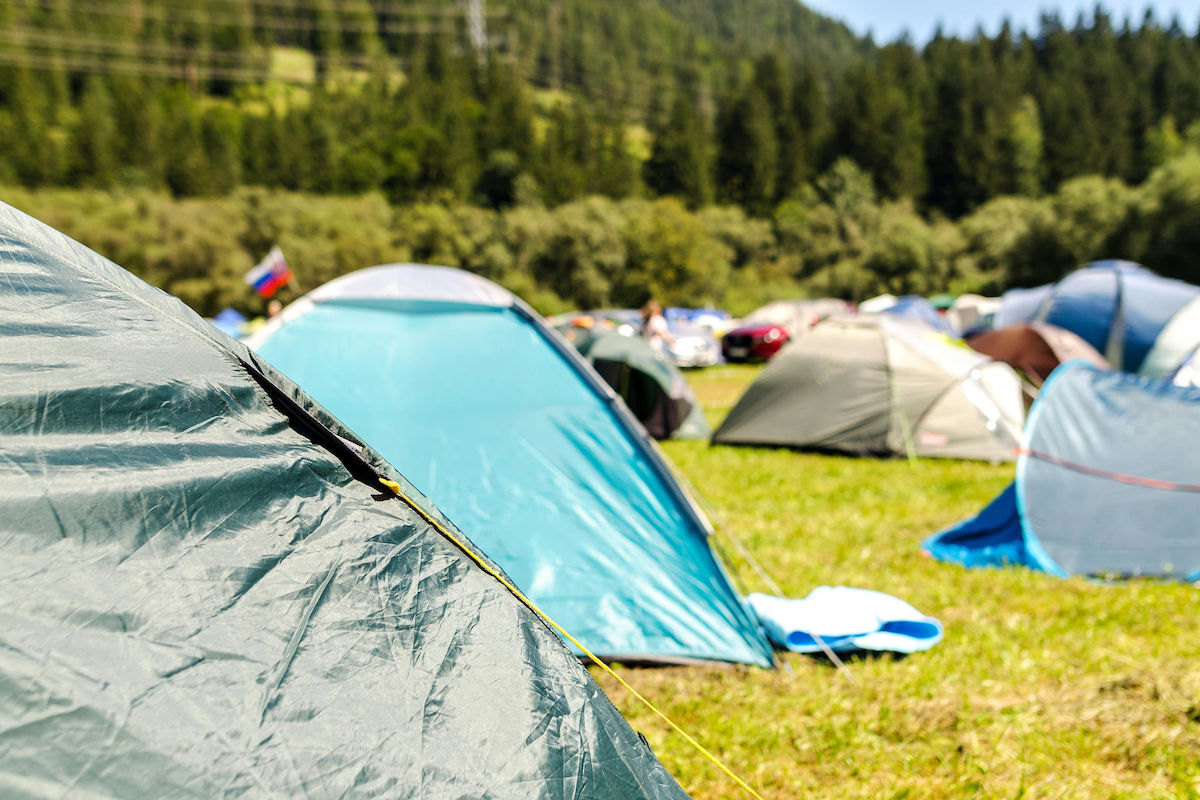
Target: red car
pixel 757 342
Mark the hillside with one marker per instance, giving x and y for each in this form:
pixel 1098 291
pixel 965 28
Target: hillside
pixel 632 51
pixel 756 103
pixel 625 53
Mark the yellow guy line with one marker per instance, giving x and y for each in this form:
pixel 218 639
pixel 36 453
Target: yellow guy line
pixel 395 487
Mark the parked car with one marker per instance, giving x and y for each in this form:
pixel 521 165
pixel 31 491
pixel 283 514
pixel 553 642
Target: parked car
pixel 754 342
pixel 694 346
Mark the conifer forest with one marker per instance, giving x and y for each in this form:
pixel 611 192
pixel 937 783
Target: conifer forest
pixel 585 154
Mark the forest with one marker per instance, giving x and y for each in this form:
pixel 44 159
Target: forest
pixel 596 153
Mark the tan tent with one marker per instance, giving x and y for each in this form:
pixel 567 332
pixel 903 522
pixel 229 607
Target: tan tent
pixel 880 386
pixel 797 316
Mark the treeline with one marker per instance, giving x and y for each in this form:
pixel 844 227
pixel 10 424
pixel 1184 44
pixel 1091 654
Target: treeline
pixel 624 54
pixel 418 117
pixel 950 125
pixel 838 238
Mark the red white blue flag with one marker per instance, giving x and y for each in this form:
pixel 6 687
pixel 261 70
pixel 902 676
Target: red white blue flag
pixel 270 274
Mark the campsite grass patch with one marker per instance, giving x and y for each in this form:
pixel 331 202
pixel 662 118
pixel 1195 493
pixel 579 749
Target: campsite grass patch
pixel 1042 687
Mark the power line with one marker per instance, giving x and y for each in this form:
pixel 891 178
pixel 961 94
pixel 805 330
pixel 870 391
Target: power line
pixel 195 15
pixel 249 67
pixel 80 63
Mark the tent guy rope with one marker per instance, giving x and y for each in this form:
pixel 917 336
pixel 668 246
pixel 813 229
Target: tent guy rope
pixel 395 488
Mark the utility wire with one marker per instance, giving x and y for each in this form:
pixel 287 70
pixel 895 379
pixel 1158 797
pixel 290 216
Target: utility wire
pixel 256 22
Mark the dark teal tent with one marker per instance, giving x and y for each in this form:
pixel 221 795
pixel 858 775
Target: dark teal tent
pixel 649 382
pixel 206 591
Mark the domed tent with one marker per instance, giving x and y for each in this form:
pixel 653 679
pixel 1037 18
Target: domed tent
pixel 1106 483
pixel 1117 307
pixel 504 425
pixel 652 387
pixel 208 592
pixel 875 385
pixel 1035 348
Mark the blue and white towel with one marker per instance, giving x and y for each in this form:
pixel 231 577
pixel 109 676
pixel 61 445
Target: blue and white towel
pixel 845 619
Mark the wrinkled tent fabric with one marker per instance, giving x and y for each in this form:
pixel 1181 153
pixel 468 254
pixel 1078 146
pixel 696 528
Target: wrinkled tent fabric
pixel 1035 348
pixel 652 387
pixel 205 593
pixel 502 423
pixel 875 385
pixel 1105 486
pixel 1117 307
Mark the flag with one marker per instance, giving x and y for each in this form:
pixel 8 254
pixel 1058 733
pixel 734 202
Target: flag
pixel 271 273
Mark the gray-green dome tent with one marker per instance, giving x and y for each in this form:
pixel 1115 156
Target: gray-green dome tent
pixel 878 385
pixel 207 592
pixel 649 382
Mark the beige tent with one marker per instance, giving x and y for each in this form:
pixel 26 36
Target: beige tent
pixel 881 386
pixel 797 316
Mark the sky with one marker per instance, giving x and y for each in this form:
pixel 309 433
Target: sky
pixel 887 19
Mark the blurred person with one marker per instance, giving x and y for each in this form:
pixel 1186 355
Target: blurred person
pixel 654 326
pixel 273 308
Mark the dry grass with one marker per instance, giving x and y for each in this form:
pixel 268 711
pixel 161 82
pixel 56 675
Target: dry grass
pixel 1043 688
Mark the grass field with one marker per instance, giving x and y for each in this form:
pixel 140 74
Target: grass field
pixel 1042 688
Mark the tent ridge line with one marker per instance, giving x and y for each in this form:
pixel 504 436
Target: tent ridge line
pixel 399 492
pixel 1119 477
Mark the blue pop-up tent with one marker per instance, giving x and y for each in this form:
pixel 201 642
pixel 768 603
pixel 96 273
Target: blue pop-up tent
pixel 1107 483
pixel 1118 307
pixel 498 419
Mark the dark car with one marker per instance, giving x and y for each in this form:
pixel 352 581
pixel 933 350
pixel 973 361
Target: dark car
pixel 757 342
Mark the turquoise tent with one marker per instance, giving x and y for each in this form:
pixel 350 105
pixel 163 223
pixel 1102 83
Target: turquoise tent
pixel 500 421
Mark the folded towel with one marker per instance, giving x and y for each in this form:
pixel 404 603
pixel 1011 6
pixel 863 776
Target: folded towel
pixel 845 619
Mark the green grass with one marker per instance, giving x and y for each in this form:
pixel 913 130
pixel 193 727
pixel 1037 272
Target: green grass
pixel 1042 688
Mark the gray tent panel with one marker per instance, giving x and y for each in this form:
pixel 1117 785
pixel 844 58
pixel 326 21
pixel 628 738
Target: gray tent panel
pixel 206 593
pixel 834 394
pixel 879 386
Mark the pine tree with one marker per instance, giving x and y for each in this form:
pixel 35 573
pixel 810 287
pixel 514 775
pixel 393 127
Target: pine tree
pixel 679 162
pixel 810 108
pixel 94 142
pixel 879 128
pixel 616 174
pixel 1023 150
pixel 138 114
pixel 221 138
pixel 507 120
pixel 186 171
pixel 748 153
